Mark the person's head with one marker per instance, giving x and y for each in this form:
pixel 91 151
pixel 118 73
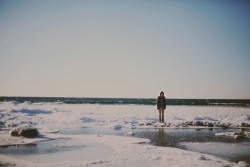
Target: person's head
pixel 162 93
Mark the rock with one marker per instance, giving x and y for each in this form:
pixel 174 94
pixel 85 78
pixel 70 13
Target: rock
pixel 210 125
pixel 177 125
pixel 25 131
pixel 189 123
pixel 198 123
pixel 159 124
pixel 148 124
pixel 217 125
pixel 238 136
pixel 236 133
pixel 168 125
pixel 183 125
pixel 129 134
pixel 163 125
pixel 222 125
pixel 244 125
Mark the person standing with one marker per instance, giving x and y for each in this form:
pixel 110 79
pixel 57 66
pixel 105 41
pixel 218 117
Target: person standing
pixel 161 106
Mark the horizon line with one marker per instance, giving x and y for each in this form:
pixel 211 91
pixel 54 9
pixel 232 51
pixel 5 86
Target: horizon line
pixel 128 97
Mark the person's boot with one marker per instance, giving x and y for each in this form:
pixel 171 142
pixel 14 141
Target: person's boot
pixel 162 118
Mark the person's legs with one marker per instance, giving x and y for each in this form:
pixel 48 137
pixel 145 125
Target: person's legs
pixel 162 117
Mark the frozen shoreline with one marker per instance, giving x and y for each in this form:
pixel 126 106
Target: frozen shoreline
pixel 47 116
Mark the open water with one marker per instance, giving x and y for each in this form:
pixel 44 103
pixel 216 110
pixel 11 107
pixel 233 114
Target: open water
pixel 137 101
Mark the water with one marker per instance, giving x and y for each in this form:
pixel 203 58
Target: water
pixel 137 101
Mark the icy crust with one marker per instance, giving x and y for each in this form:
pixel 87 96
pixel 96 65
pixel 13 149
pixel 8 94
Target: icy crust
pixel 59 116
pixel 104 150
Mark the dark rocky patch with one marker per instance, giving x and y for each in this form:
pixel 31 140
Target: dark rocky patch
pixel 24 131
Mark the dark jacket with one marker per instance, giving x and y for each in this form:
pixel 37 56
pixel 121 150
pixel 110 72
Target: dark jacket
pixel 161 102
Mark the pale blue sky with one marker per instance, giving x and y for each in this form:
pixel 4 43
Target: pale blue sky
pixel 125 48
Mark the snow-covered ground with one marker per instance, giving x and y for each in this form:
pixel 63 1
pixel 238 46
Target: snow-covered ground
pixel 109 150
pixel 52 115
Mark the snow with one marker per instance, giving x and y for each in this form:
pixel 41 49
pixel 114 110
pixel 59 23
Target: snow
pixel 59 116
pixel 104 150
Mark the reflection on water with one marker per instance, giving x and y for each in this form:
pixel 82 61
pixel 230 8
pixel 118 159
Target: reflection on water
pixel 160 138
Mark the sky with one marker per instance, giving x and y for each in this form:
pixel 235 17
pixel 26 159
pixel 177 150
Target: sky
pixel 125 48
